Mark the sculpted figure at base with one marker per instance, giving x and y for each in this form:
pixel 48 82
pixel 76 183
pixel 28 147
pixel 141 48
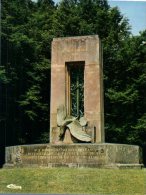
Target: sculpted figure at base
pixel 70 129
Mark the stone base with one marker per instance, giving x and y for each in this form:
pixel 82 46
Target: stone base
pixel 74 155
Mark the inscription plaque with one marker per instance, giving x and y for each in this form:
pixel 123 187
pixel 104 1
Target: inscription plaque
pixel 74 155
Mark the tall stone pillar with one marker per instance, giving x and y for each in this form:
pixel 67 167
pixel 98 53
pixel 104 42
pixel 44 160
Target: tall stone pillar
pixel 85 49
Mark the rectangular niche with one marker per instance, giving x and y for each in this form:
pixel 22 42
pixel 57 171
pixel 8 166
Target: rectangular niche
pixel 75 88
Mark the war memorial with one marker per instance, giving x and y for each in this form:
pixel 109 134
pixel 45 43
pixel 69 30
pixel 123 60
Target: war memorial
pixel 77 136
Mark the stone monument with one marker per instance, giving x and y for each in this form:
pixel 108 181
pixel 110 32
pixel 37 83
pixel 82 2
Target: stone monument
pixel 71 56
pixel 77 114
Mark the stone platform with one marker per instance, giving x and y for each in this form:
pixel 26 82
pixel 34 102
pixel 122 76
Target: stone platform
pixel 74 155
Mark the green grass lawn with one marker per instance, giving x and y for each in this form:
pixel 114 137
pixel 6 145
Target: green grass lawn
pixel 74 180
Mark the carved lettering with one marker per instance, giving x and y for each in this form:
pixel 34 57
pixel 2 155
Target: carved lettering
pixel 66 155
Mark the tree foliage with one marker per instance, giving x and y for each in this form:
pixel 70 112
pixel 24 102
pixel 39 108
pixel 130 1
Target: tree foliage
pixel 27 31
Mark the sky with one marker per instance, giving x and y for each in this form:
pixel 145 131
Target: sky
pixel 135 11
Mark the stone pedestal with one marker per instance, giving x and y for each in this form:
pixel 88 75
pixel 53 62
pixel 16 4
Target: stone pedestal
pixel 75 155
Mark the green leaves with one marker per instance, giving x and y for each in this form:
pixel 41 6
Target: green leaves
pixel 27 31
pixel 129 96
pixel 31 103
pixel 3 77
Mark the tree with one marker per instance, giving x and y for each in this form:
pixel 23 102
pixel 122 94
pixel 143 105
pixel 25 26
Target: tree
pixel 26 63
pixel 126 96
pixel 138 71
pixel 16 48
pixel 35 101
pixel 27 31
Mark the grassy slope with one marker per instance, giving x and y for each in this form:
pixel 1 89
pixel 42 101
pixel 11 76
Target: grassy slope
pixel 75 181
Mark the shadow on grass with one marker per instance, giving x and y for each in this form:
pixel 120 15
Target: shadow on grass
pixel 2 156
pixel 144 154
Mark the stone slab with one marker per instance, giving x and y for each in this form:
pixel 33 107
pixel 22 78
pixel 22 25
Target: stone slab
pixel 75 155
pixel 81 50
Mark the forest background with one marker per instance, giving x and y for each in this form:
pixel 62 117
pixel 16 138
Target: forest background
pixel 27 29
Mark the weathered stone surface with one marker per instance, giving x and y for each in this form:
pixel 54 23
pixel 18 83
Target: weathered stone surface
pixel 90 130
pixel 76 130
pixel 61 115
pixel 83 121
pixel 85 49
pixel 67 137
pixel 75 155
pixel 73 126
pixel 55 135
